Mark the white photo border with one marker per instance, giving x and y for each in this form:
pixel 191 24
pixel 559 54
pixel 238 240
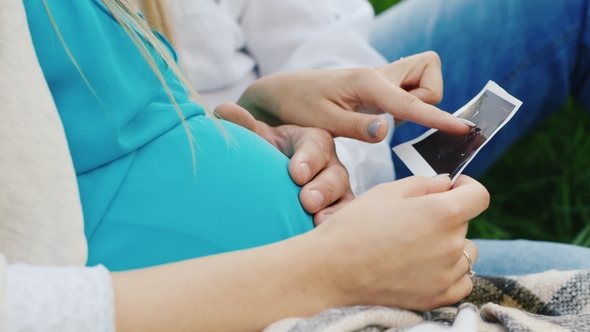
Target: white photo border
pixel 419 166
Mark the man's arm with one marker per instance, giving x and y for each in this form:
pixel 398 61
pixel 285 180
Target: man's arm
pixel 307 34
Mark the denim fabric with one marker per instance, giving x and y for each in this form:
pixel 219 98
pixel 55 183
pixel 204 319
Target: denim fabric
pixel 538 50
pixel 516 257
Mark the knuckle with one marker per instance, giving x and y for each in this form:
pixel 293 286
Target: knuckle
pixel 325 137
pixel 456 247
pixel 432 56
pixel 454 210
pixel 445 281
pixel 343 178
pixel 437 98
pixel 384 189
pixel 363 73
pixel 441 209
pixel 323 145
pixel 364 78
pixel 329 192
pixel 421 180
pixel 415 180
pixel 409 102
pixel 454 293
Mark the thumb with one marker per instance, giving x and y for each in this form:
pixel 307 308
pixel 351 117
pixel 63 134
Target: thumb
pixel 236 114
pixel 416 186
pixel 368 128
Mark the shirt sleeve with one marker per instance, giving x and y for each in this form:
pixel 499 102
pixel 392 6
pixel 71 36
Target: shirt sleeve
pixel 64 299
pixel 305 34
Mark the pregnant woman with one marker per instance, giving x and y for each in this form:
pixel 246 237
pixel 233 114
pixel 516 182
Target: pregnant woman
pixel 201 215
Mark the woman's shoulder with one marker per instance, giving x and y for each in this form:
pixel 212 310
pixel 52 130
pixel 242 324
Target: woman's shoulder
pixel 105 91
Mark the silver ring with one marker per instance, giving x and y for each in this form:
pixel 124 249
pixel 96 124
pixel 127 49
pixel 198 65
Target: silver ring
pixel 470 271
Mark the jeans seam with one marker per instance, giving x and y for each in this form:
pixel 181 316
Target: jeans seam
pixel 541 54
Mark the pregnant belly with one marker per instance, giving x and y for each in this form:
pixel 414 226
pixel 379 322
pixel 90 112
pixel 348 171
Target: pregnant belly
pixel 153 207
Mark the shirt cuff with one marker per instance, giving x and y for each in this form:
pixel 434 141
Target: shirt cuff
pixel 47 298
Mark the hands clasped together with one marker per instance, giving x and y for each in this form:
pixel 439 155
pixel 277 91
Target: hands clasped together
pixel 401 243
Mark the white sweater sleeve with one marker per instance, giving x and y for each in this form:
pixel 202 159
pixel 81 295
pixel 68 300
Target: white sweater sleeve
pixel 304 34
pixel 58 299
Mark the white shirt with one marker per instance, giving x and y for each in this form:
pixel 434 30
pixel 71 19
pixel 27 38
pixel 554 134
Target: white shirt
pixel 225 45
pixel 228 43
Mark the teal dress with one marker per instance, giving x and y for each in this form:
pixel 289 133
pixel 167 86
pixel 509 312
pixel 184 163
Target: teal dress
pixel 144 204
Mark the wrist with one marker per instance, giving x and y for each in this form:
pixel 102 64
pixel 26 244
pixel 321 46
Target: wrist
pixel 317 271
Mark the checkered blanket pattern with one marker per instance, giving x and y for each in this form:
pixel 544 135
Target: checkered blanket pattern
pixel 550 301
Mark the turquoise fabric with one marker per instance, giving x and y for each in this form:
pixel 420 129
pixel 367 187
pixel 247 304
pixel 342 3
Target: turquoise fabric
pixel 143 202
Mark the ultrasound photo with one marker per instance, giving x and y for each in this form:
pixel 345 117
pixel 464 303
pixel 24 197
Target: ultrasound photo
pixel 436 152
pixel 446 153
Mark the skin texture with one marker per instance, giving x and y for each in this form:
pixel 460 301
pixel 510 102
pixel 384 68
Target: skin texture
pixel 338 100
pixel 352 258
pixel 313 164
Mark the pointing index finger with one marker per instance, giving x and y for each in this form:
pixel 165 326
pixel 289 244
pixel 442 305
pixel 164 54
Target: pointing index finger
pixel 406 106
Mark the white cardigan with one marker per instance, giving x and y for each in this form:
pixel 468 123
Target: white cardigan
pixel 41 220
pixel 40 212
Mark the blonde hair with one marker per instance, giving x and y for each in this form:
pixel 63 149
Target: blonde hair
pixel 157 16
pixel 132 24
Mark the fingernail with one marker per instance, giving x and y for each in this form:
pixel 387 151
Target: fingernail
pixel 317 198
pixel 373 127
pixel 467 122
pixel 442 175
pixel 305 171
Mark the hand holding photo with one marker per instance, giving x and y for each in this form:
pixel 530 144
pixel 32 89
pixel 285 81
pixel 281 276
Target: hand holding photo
pixel 435 152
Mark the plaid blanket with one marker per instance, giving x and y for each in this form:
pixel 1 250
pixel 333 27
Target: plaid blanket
pixel 549 301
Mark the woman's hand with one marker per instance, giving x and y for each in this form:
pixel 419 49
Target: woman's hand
pixel 313 163
pixel 401 243
pixel 338 100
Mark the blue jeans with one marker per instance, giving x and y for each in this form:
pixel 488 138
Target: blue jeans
pixel 515 257
pixel 538 50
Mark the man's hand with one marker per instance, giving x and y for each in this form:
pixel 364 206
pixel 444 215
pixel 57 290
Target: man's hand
pixel 338 100
pixel 313 164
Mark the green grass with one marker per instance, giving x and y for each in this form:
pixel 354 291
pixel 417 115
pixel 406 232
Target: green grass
pixel 381 5
pixel 540 189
